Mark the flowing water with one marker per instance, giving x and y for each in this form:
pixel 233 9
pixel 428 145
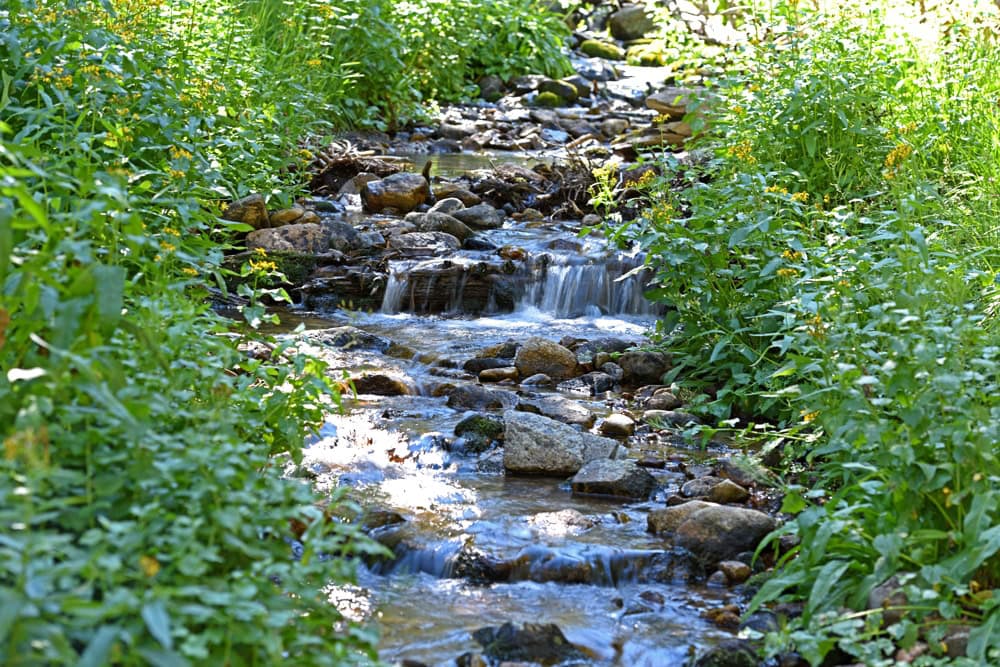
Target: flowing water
pixel 581 563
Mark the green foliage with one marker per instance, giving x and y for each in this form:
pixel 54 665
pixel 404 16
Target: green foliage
pixel 144 511
pixel 833 270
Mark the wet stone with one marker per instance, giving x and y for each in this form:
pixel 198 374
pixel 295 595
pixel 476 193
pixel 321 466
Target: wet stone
pixel 448 205
pixel 617 425
pixel 474 397
pixel 667 519
pixel 721 532
pixel 727 491
pixel 614 478
pixel 588 384
pixel 643 366
pixel 539 355
pixel 286 216
pixel 380 385
pixel 700 487
pixel 534 444
pixel 559 408
pixel 736 571
pixel 402 192
pixel 349 338
pixel 503 374
pixel 532 642
pixel 478 365
pixel 662 399
pixel 669 418
pixel 729 653
pixel 537 380
pixel 480 216
pixel 431 242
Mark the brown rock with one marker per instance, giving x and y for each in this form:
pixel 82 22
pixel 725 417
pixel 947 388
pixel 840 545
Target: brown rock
pixel 251 210
pixel 307 238
pixel 667 519
pixel 402 192
pixel 498 374
pixel 720 532
pixel 671 102
pixel 286 216
pixel 539 355
pixel 727 491
pixel 736 571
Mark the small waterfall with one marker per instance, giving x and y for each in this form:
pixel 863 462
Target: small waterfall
pixel 571 286
pixel 396 288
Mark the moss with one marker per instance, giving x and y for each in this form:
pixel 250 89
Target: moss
pixel 548 99
pixel 598 49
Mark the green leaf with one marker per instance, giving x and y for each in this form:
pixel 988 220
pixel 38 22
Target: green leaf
pixel 110 288
pixel 98 651
pixel 826 578
pixel 984 637
pixel 158 622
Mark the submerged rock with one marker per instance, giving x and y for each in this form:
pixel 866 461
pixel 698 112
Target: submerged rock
pixel 537 445
pixel 730 653
pixel 533 642
pixel 479 431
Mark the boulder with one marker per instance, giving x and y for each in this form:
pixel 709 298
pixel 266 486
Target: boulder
pixel 348 338
pixel 479 431
pixel 478 364
pixel 499 374
pixel 667 519
pixel 307 238
pixel 730 653
pixel 721 532
pixel 533 643
pixel 534 444
pixel 491 87
pixel 662 399
pixel 669 418
pixel 700 487
pixel 559 408
pixel 643 366
pixel 617 425
pixel 250 210
pixel 736 571
pixel 588 384
pixel 537 380
pixel 480 216
pixel 609 477
pixel 629 23
pixel 402 192
pixel 343 236
pixel 539 355
pixel 446 190
pixel 447 205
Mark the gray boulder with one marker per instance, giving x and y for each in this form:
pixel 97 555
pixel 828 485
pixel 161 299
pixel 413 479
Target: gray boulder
pixel 609 477
pixel 667 519
pixel 480 216
pixel 537 445
pixel 474 397
pixel 427 241
pixel 630 22
pixel 559 408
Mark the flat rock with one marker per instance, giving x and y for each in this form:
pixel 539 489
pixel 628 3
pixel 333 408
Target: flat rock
pixel 539 355
pixel 722 532
pixel 662 399
pixel 431 242
pixel 621 478
pixel 559 408
pixel 499 374
pixel 699 487
pixel 480 216
pixel 306 238
pixel 728 491
pixel 534 444
pixel 348 338
pixel 672 102
pixel 474 397
pixel 533 643
pixel 669 418
pixel 380 384
pixel 433 221
pixel 588 384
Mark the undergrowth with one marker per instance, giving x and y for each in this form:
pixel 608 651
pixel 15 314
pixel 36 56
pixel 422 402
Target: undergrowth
pixel 831 270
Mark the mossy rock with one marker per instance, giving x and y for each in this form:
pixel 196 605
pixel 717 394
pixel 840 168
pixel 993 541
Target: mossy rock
pixel 480 431
pixel 598 49
pixel 297 267
pixel 647 55
pixel 550 100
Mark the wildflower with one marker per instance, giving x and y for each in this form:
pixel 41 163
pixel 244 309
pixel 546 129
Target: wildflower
pixel 792 255
pixel 787 273
pixel 176 174
pixel 189 271
pixel 742 151
pixel 897 155
pixel 180 153
pixel 171 231
pixel 808 417
pixel 314 62
pixel 816 327
pixel 738 110
pixel 260 251
pixel 646 179
pixel 776 189
pixel 263 265
pixel 149 566
pixel 801 197
pixel 167 246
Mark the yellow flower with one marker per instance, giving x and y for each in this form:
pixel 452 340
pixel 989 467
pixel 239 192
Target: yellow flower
pixel 742 151
pixel 777 189
pixel 787 273
pixel 263 265
pixel 897 155
pixel 808 417
pixel 149 566
pixel 314 62
pixel 167 247
pixel 171 231
pixel 260 251
pixel 179 153
pixel 792 255
pixel 801 197
pixel 189 271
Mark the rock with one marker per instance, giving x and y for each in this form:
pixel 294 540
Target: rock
pixel 549 100
pixel 736 571
pixel 539 355
pixel 457 131
pixel 478 365
pixel 583 87
pixel 662 399
pixel 430 242
pixel 565 90
pixel 491 87
pixel 525 84
pixel 595 69
pixel 888 595
pixel 588 384
pixel 669 418
pixel 730 653
pixel 667 519
pixel 479 431
pixel 353 186
pixel 643 366
pixel 629 23
pixel 672 102
pixel 617 425
pixel 598 49
pixel 562 522
pixel 534 444
pixel 534 642
pixel 474 397
pixel 538 379
pixel 721 532
pixel 499 374
pixel 380 385
pixel 447 190
pixel 250 210
pixel 612 128
pixel 480 216
pixel 700 487
pixel 402 192
pixel 348 338
pixel 727 491
pixel 440 222
pixel 286 216
pixel 343 236
pixel 506 350
pixel 744 471
pixel 559 408
pixel 447 205
pixel 608 477
pixel 613 371
pixel 308 238
pixel 368 241
pixel 588 351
